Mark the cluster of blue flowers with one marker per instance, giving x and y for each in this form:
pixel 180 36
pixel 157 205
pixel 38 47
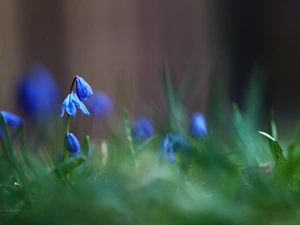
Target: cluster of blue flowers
pixel 38 95
pixel 142 129
pixel 73 101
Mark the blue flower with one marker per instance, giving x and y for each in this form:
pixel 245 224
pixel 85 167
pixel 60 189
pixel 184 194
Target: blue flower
pixel 172 144
pixel 71 103
pixel 141 129
pixel 83 89
pixel 38 93
pixel 11 120
pixel 100 105
pixel 72 143
pixel 198 125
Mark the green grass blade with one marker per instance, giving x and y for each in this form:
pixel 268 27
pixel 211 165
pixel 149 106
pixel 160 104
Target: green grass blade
pixel 129 137
pixel 176 113
pixel 272 126
pixel 254 98
pixel 86 146
pixel 248 149
pixel 275 147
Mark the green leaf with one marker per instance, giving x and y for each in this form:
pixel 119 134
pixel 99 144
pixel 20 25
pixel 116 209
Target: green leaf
pixel 127 126
pixel 86 146
pixel 295 139
pixel 254 97
pixel 276 149
pixel 267 135
pixel 248 149
pixel 9 149
pixel 144 144
pixel 12 158
pixel 272 125
pixel 69 165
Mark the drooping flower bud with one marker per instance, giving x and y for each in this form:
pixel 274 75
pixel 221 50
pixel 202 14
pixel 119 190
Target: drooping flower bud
pixel 72 143
pixel 198 125
pixel 83 89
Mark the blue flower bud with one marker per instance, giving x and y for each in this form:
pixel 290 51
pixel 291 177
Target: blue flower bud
pixel 198 125
pixel 173 143
pixel 100 105
pixel 72 143
pixel 83 89
pixel 141 129
pixel 38 93
pixel 11 120
pixel 71 103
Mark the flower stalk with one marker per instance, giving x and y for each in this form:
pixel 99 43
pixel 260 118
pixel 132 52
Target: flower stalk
pixel 72 102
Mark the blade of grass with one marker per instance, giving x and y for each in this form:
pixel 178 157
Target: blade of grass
pixel 253 101
pixel 11 156
pixel 293 142
pixel 248 149
pixel 175 109
pixel 129 137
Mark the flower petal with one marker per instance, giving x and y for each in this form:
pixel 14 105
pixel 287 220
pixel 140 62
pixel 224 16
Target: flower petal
pixel 11 119
pixel 79 104
pixel 69 106
pixel 83 89
pixel 72 143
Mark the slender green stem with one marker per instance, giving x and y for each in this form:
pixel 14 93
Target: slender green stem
pixel 129 138
pixel 66 153
pixel 68 125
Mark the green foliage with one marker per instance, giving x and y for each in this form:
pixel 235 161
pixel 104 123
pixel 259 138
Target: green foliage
pixel 233 176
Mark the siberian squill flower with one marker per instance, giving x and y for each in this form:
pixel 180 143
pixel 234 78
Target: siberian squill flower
pixel 141 129
pixel 83 89
pixel 11 120
pixel 38 93
pixel 172 144
pixel 71 103
pixel 198 125
pixel 100 105
pixel 72 143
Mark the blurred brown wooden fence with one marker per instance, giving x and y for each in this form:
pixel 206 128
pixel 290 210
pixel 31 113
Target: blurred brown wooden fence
pixel 101 39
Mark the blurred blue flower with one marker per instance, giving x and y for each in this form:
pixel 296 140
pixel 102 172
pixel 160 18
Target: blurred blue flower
pixel 100 105
pixel 83 89
pixel 72 143
pixel 198 125
pixel 141 129
pixel 38 93
pixel 71 103
pixel 173 143
pixel 11 120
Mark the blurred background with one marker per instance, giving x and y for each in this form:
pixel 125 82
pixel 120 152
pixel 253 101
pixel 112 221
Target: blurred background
pixel 118 45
